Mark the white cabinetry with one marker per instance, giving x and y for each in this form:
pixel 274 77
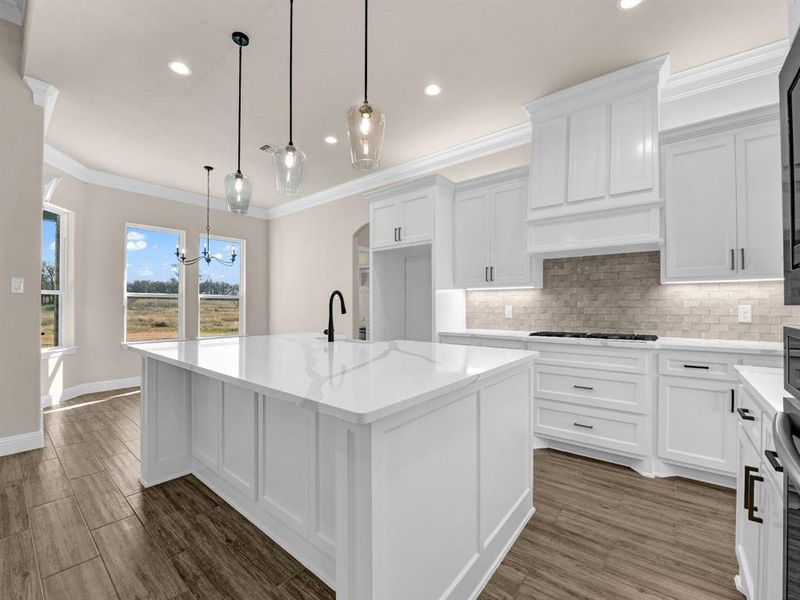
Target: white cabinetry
pixel 489 232
pixel 722 188
pixel 402 220
pixel 595 183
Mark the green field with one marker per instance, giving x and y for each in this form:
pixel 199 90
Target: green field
pixel 157 318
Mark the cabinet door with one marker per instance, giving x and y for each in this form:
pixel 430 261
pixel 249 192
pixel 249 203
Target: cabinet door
pixel 509 258
pixel 588 153
pixel 631 162
pixel 416 217
pixel 748 533
pixel 548 163
pixel 758 194
pixel 771 554
pixel 472 238
pixel 695 424
pixel 384 222
pixel 700 209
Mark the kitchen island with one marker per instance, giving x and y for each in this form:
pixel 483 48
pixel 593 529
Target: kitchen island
pixel 392 470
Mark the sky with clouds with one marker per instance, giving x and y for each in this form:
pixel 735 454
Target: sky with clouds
pixel 151 255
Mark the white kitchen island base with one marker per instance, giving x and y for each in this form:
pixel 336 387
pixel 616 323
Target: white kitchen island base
pixel 418 497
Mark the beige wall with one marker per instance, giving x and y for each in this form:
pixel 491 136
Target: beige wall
pixel 21 131
pixel 100 217
pixel 623 293
pixel 310 255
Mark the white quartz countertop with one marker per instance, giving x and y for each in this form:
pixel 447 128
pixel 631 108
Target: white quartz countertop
pixel 766 383
pixel 353 380
pixel 663 343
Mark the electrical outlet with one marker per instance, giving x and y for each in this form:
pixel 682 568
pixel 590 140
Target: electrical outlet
pixel 509 311
pixel 745 313
pixel 17 285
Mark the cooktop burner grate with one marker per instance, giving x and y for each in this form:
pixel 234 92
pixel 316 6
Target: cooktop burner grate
pixel 628 337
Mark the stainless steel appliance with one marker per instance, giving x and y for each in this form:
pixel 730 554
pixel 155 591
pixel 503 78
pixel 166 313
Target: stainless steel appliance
pixel 790 157
pixel 628 337
pixel 786 435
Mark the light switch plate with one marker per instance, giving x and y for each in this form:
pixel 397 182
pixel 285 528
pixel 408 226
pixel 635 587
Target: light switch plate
pixel 17 285
pixel 509 311
pixel 745 313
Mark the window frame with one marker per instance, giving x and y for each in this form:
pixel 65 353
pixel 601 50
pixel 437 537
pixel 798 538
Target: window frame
pixel 64 333
pixel 181 296
pixel 241 259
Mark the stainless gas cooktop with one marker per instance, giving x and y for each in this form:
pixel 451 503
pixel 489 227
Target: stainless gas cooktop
pixel 630 337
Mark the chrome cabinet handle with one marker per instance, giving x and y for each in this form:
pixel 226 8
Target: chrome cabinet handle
pixel 744 413
pixel 733 259
pixel 772 457
pixel 583 426
pixel 742 262
pixel 583 387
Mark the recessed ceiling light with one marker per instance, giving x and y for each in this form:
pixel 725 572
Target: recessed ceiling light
pixel 180 68
pixel 433 90
pixel 628 4
pixel 330 140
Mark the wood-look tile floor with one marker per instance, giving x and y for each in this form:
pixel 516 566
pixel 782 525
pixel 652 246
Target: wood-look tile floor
pixel 76 524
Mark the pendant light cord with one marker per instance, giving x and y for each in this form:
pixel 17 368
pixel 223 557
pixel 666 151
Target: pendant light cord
pixel 366 46
pixel 239 139
pixel 208 209
pixel 291 47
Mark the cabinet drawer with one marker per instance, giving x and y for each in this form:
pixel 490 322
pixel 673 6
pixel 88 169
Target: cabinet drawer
pixel 597 428
pixel 702 365
pixel 587 357
pixel 459 340
pixel 497 343
pixel 597 389
pixel 749 417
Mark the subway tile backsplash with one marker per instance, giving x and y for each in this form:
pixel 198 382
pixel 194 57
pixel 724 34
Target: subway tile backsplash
pixel 622 293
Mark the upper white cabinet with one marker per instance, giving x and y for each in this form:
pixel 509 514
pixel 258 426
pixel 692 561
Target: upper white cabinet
pixel 489 232
pixel 404 219
pixel 722 185
pixel 594 175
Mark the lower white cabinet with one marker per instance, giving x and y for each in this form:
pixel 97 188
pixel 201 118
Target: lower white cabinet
pixel 748 531
pixel 697 423
pixel 771 551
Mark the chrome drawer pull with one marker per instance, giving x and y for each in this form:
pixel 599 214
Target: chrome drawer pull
pixel 583 426
pixel 583 387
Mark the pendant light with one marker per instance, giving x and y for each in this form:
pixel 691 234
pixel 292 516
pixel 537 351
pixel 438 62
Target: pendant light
pixel 365 125
pixel 290 162
pixel 206 253
pixel 238 186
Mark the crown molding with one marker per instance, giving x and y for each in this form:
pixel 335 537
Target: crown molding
pixel 764 60
pixel 513 174
pixel 505 139
pixel 13 11
pixel 69 165
pixel 44 95
pixel 754 116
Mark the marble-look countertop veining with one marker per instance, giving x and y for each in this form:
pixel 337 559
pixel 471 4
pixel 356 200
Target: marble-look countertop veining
pixel 353 380
pixel 663 343
pixel 766 383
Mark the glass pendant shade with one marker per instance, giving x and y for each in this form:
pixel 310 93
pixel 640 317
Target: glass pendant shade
pixel 290 166
pixel 238 190
pixel 365 127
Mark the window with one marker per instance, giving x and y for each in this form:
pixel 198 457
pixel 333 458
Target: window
pixel 153 287
pixel 53 284
pixel 221 300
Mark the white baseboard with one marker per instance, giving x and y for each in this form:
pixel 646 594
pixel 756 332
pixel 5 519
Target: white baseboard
pixel 20 443
pixel 49 400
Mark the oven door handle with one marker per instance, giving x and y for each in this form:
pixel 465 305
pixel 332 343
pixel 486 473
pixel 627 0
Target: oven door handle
pixel 784 445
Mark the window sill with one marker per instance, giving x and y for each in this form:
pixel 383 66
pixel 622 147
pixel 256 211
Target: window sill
pixel 57 352
pixel 139 342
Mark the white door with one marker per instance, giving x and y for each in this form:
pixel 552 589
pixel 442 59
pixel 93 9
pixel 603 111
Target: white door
pixel 696 426
pixel 700 209
pixel 384 222
pixel 510 263
pixel 631 153
pixel 748 532
pixel 758 192
pixel 416 217
pixel 771 554
pixel 548 163
pixel 472 238
pixel 588 153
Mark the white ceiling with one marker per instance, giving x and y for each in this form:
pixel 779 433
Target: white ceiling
pixel 121 110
